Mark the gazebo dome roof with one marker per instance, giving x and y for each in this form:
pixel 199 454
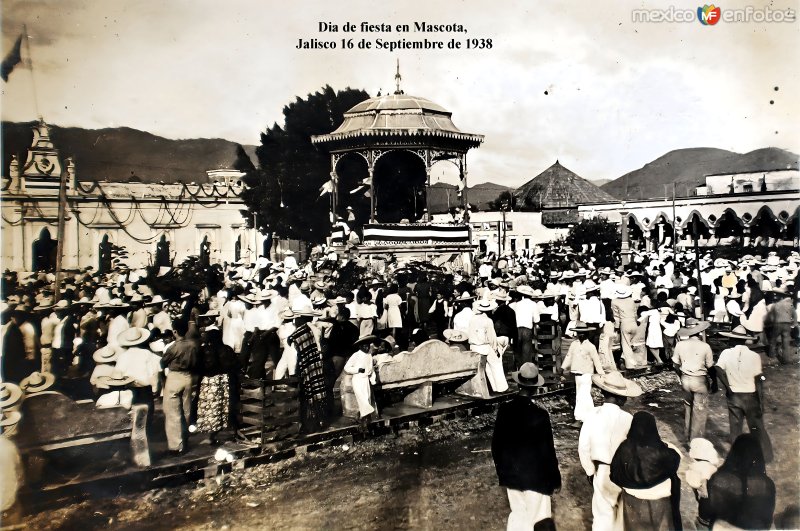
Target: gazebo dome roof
pixel 397 115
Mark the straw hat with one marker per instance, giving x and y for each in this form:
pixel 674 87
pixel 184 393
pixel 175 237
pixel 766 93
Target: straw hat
pixel 302 308
pixel 740 332
pixel 287 314
pixel 9 419
pixel 525 290
pixel 616 384
pixel 580 326
pixel 622 292
pixel 319 284
pixel 133 336
pixel 703 450
pixel 115 379
pixel 528 375
pixel 157 299
pixel 693 326
pixel 484 306
pixel 10 395
pixel 37 382
pixel 456 336
pixel 464 297
pixel 107 354
pixel 371 338
pixel 319 301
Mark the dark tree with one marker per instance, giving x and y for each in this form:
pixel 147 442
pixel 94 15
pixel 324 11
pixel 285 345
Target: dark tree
pixel 600 231
pixel 505 201
pixel 284 191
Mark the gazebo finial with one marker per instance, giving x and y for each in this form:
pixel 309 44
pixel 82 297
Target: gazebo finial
pixel 397 78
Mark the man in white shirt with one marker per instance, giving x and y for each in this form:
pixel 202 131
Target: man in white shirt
pixel 527 313
pixel 602 432
pixel 739 372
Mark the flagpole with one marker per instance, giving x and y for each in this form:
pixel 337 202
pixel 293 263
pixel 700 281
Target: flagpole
pixel 62 212
pixel 33 78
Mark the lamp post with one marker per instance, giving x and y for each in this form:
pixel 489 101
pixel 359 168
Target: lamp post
pixel 625 248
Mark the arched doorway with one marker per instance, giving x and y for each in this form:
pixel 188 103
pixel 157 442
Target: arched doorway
pixel 765 229
pixel 237 248
pixel 697 228
pixel 635 234
pixel 162 252
pixel 44 252
pixel 104 253
pixel 400 182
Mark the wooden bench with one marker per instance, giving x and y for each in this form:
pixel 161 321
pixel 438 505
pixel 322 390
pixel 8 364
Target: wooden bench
pixel 431 362
pixel 52 421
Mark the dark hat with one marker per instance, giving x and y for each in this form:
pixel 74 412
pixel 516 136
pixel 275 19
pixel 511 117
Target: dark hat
pixel 528 375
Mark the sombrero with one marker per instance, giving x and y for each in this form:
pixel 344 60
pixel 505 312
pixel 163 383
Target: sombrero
pixel 693 326
pixel 580 326
pixel 528 375
pixel 115 379
pixel 319 284
pixel 287 314
pixel 456 336
pixel 9 418
pixel 107 354
pixel 37 382
pixel 340 300
pixel 10 395
pixel 622 292
pixel 371 338
pixel 740 332
pixel 133 336
pixel 525 290
pixel 703 450
pixel 157 299
pixel 616 384
pixel 484 306
pixel 464 297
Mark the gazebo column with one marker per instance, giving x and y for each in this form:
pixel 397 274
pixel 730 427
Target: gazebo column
pixel 427 191
pixel 464 199
pixel 371 193
pixel 625 250
pixel 334 195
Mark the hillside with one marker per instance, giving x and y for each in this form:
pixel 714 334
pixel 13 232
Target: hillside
pixel 687 168
pixel 115 154
pixel 479 195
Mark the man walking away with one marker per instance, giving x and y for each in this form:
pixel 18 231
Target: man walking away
pixel 524 455
pixel 601 434
pixel 692 358
pixel 739 371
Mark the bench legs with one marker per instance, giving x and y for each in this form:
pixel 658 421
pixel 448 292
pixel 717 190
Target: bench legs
pixel 140 447
pixel 477 386
pixel 422 397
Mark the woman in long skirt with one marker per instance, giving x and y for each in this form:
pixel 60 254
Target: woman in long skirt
pixel 315 397
pixel 213 404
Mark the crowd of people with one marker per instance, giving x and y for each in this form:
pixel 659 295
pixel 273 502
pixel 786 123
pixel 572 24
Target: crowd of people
pixel 130 337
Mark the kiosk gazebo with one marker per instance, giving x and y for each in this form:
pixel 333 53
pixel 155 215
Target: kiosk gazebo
pixel 381 160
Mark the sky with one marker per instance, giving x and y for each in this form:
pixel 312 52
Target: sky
pixel 577 81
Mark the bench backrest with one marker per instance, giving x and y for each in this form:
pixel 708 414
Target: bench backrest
pixel 432 360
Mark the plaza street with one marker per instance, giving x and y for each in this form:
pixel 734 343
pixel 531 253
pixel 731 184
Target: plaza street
pixel 439 477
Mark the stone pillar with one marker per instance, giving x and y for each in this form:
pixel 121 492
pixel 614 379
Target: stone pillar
pixel 13 172
pixel 625 251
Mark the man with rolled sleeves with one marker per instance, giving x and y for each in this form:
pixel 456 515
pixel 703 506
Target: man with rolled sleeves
pixel 692 358
pixel 739 370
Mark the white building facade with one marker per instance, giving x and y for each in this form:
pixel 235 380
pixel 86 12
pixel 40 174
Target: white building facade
pixel 134 218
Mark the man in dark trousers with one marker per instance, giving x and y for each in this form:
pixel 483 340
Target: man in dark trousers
pixel 525 456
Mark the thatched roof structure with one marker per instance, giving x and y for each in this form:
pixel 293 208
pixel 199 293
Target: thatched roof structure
pixel 558 187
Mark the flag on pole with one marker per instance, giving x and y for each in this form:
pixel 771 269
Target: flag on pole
pixel 11 60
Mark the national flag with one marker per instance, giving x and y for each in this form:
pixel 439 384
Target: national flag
pixel 11 60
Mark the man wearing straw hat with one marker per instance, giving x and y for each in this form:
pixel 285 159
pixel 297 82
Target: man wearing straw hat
pixel 602 432
pixel 693 358
pixel 524 453
pixel 739 370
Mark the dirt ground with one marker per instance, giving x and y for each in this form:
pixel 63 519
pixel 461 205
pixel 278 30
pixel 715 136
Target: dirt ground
pixel 440 477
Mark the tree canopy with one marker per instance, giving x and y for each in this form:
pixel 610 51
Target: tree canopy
pixel 284 191
pixel 600 231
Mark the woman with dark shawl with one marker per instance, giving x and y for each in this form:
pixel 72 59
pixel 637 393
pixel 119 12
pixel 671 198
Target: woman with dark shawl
pixel 740 495
pixel 315 397
pixel 647 471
